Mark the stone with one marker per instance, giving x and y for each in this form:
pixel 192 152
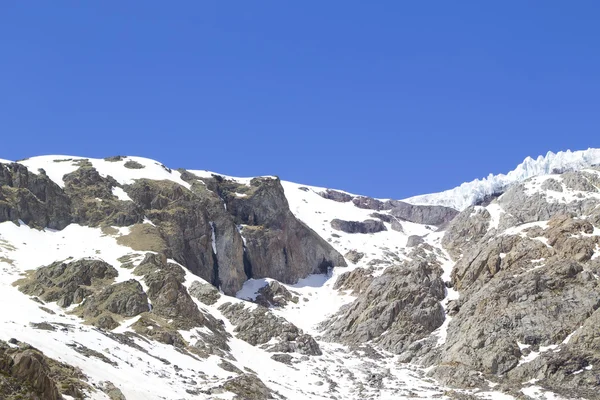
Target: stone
pixel 367 226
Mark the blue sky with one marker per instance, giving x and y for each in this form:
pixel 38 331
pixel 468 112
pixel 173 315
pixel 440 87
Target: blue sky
pixel 388 98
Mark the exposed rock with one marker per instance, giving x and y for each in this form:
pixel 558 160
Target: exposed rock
pixel 67 283
pixel 427 215
pixel 552 184
pixel 414 240
pixel 258 326
pixel 368 203
pixel 367 226
pixel 32 198
pixel 248 387
pixel 93 202
pixel 126 299
pixel 403 302
pixel 26 373
pixel 113 392
pixel 356 280
pixel 283 358
pixel 275 294
pixel 354 256
pixel 207 294
pixel 336 196
pixel 131 164
pixel 278 245
pixel 186 221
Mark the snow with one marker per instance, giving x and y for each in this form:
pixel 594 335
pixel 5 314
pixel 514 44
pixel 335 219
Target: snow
pixel 251 287
pixel 58 166
pixel 29 248
pixel 120 194
pixel 470 193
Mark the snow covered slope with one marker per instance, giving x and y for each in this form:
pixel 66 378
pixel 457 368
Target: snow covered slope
pixel 470 193
pixel 148 369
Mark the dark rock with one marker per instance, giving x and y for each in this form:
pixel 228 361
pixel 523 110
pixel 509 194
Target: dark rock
pixel 403 302
pixel 414 240
pixel 93 202
pixel 126 299
pixel 427 215
pixel 131 164
pixel 248 387
pixel 258 326
pixel 336 196
pixel 67 283
pixel 207 294
pixel 275 294
pixel 278 245
pixel 34 199
pixel 354 256
pixel 368 203
pixel 283 358
pixel 367 226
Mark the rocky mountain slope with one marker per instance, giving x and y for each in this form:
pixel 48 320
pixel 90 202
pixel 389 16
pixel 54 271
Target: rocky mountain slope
pixel 125 279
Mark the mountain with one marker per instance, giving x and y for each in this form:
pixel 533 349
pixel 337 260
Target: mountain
pixel 122 278
pixel 470 193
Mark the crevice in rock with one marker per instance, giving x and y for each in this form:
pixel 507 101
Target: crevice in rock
pixel 247 265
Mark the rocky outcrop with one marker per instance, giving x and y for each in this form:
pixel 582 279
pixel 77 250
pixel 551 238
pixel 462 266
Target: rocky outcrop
pixel 207 294
pixel 403 302
pixel 93 202
pixel 336 196
pixel 357 280
pixel 274 294
pixel 277 244
pixel 26 373
pixel 67 283
pixel 258 326
pixel 248 387
pixel 367 226
pixel 354 256
pixel 188 221
pixel 126 299
pixel 426 215
pixel 414 240
pixel 528 293
pixel 419 214
pixel 32 198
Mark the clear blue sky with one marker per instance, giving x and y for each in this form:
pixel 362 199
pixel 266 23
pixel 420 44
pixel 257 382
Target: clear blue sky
pixel 386 98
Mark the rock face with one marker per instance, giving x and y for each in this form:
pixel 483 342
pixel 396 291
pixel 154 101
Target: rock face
pixel 420 214
pixel 275 294
pixel 277 245
pixel 403 302
pixel 26 373
pixel 528 285
pixel 259 326
pixel 126 299
pixel 187 221
pixel 93 202
pixel 199 228
pixel 367 226
pixel 336 196
pixel 33 199
pixel 67 283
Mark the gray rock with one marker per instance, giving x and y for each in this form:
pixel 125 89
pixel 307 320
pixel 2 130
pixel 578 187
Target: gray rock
pixel 275 295
pixel 354 256
pixel 414 240
pixel 403 302
pixel 367 226
pixel 33 199
pixel 207 294
pixel 336 196
pixel 67 283
pixel 258 326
